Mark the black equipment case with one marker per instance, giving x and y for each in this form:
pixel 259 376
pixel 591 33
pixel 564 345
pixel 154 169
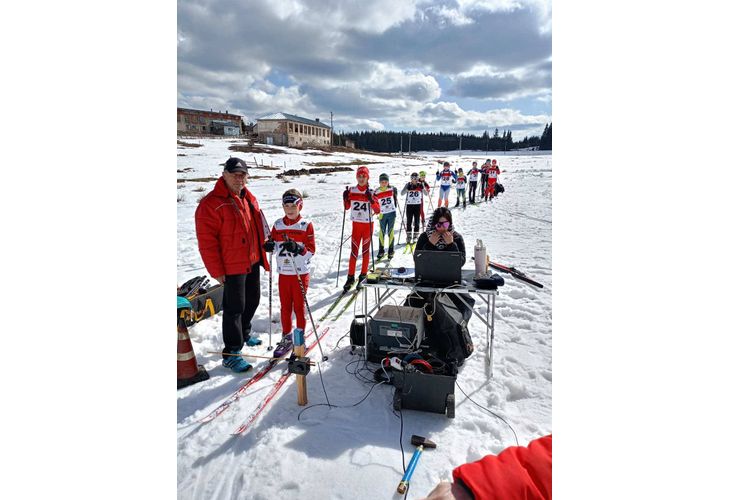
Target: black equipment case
pixel 415 390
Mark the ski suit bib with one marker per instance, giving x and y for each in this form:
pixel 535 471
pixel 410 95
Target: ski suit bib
pixel 360 209
pixel 386 199
pixel 300 231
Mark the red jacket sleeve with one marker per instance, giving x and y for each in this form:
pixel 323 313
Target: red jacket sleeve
pixel 375 204
pixel 309 243
pixel 519 473
pixel 207 227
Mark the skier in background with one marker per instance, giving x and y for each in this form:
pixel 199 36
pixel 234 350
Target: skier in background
pixel 387 197
pixel 362 204
pixel 473 179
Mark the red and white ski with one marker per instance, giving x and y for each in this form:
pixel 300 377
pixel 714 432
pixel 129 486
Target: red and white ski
pixel 239 392
pixel 272 393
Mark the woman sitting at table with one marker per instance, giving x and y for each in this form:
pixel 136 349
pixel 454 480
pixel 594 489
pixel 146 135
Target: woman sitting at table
pixel 440 234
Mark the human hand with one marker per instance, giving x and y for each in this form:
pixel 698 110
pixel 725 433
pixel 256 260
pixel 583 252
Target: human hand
pixel 269 246
pixel 448 237
pixel 448 491
pixel 346 195
pixel 434 238
pixel 290 246
pixel 220 279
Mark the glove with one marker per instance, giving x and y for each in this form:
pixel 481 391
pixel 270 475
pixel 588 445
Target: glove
pixel 291 247
pixel 346 195
pixel 370 196
pixel 269 246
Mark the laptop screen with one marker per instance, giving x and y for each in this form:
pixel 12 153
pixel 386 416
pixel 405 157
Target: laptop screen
pixel 438 267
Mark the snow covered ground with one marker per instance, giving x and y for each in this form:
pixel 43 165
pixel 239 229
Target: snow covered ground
pixel 353 452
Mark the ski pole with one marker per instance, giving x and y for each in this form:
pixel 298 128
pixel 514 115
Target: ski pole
pixel 306 302
pixel 335 256
pixel 342 235
pixel 372 249
pixel 267 234
pixel 401 223
pixel 243 355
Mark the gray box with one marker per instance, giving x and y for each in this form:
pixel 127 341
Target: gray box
pixel 397 328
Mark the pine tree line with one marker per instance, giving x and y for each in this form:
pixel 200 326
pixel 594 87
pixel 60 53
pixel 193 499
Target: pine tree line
pixel 390 141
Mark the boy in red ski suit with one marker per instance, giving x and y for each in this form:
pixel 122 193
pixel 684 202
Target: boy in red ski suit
pixel 291 235
pixel 363 205
pixel 492 174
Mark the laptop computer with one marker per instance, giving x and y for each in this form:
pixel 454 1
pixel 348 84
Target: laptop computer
pixel 437 267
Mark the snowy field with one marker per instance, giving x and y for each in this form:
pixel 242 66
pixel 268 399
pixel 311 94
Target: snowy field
pixel 353 452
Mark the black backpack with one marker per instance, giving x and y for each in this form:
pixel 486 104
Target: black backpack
pixel 446 331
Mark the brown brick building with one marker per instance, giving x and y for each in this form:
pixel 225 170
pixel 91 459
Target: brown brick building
pixel 196 121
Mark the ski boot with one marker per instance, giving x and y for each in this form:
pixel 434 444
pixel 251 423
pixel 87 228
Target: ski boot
pixel 380 255
pixel 236 363
pixel 284 345
pixel 349 282
pixel 360 281
pixel 391 251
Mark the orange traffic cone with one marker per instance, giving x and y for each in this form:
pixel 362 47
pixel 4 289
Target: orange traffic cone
pixel 189 372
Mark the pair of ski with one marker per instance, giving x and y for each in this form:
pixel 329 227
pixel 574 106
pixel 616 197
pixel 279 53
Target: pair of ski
pixel 261 373
pixel 274 390
pixel 355 291
pixel 409 248
pixel 516 273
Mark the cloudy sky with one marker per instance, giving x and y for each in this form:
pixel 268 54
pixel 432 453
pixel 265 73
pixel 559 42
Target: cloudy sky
pixel 451 66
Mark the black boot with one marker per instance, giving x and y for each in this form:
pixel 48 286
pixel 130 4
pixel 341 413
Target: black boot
pixel 381 252
pixel 391 251
pixel 360 281
pixel 349 282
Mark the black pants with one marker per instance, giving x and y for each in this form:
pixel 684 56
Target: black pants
pixel 413 220
pixel 484 185
pixel 241 294
pixel 472 191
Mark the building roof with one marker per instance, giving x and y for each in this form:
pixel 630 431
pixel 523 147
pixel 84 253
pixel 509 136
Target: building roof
pixel 206 111
pixel 293 118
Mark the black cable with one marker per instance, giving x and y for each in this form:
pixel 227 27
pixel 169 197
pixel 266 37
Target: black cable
pixel 490 411
pixel 330 405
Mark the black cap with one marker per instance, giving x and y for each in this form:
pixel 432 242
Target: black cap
pixel 234 164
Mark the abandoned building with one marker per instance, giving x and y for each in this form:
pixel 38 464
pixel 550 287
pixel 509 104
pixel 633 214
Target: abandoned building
pixel 283 129
pixel 208 122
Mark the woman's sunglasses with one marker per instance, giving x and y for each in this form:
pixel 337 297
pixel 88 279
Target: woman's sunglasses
pixel 444 224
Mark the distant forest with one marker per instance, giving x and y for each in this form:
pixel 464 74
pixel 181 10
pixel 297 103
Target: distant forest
pixel 390 142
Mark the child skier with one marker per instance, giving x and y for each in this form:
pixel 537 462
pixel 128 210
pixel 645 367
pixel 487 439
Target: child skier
pixel 413 192
pixel 473 179
pixel 483 183
pixel 362 204
pixel 446 176
pixel 460 188
pixel 291 236
pixel 387 197
pixel 492 175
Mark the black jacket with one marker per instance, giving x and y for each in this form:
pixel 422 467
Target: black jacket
pixel 456 246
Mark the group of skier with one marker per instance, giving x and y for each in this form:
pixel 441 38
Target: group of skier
pixel 234 237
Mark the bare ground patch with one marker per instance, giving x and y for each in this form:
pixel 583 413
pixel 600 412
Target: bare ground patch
pixel 198 179
pixel 241 148
pixel 183 144
pixel 340 163
pixel 312 171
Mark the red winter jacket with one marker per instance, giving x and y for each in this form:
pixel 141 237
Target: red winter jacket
pixel 230 231
pixel 519 473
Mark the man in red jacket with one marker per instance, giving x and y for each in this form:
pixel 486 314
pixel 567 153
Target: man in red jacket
pixel 518 473
pixel 230 230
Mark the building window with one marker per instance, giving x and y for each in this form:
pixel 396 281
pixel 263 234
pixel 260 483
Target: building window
pixel 289 127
